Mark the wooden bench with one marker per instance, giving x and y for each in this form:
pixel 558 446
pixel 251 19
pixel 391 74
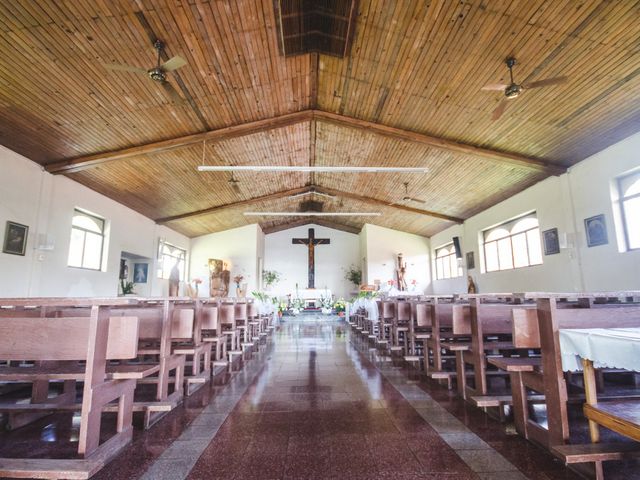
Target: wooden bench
pixel 93 339
pixel 539 329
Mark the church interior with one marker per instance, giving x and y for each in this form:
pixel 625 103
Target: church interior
pixel 320 239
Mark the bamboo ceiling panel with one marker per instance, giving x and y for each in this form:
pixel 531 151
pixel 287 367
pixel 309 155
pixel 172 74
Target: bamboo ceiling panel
pixel 233 217
pixel 59 101
pixel 168 183
pixel 420 66
pixel 455 184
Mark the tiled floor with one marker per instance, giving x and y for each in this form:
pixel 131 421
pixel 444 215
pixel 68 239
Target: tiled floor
pixel 316 405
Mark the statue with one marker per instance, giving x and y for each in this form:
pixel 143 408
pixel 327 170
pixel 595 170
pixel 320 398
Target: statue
pixel 219 277
pixel 402 269
pixel 471 286
pixel 174 280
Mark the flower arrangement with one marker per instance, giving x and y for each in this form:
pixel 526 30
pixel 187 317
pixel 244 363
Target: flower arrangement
pixel 263 297
pixel 326 302
pixel 297 303
pixel 270 277
pixel 237 279
pixel 354 275
pixel 282 307
pixel 367 294
pixel 340 305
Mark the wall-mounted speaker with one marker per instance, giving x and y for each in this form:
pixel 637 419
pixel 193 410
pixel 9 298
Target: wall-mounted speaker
pixel 456 245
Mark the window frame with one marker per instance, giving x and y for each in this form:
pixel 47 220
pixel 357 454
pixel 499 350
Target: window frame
pixel 459 269
pixel 623 213
pixel 161 254
pixel 509 225
pixel 78 211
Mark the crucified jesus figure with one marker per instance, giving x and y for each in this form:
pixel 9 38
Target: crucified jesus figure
pixel 402 268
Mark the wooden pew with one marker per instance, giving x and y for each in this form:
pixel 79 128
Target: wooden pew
pixel 212 331
pixel 58 345
pixel 539 329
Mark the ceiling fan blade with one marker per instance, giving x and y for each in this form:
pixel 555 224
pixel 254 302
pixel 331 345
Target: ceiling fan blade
pixel 173 63
pixel 416 200
pixel 124 68
pixel 497 113
pixel 498 87
pixel 544 83
pixel 173 94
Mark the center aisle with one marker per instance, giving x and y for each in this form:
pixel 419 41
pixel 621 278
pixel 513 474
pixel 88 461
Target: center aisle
pixel 317 411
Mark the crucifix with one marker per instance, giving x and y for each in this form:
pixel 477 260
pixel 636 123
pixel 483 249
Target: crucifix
pixel 311 242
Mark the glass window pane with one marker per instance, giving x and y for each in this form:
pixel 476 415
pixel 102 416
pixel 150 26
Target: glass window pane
pixel 88 223
pixel 535 246
pixel 446 267
pixel 92 251
pixel 75 248
pixel 504 253
pixel 454 266
pixel 495 234
pixel 520 256
pixel 491 256
pixel 524 224
pixel 630 185
pixel 439 272
pixel 632 221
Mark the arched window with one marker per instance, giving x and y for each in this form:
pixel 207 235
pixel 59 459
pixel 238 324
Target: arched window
pixel 513 244
pixel 630 204
pixel 168 256
pixel 447 263
pixel 87 241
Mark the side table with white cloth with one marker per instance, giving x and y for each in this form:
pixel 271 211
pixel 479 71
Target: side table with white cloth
pixel 586 349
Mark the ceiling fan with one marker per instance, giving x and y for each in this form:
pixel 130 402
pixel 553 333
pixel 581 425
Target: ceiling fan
pixel 513 89
pixel 157 73
pixel 234 183
pixel 407 198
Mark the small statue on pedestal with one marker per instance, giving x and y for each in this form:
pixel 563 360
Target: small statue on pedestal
pixel 471 286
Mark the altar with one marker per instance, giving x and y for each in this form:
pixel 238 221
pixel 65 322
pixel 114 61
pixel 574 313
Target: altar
pixel 312 296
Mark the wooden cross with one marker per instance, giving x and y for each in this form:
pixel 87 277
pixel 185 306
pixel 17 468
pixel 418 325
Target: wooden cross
pixel 311 242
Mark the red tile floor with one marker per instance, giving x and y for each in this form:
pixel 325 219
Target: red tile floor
pixel 313 405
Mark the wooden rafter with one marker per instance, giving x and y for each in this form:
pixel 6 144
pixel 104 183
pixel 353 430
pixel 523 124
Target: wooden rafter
pixel 250 201
pixel 382 203
pixel 308 221
pixel 309 188
pixel 81 163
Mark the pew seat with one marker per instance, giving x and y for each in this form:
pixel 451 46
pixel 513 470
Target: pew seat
pixel 75 372
pixel 516 364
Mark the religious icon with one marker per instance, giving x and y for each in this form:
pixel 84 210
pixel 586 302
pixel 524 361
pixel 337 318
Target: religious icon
pixel 15 238
pixel 551 241
pixel 471 285
pixel 596 229
pixel 140 271
pixel 401 271
pixel 471 261
pixel 219 277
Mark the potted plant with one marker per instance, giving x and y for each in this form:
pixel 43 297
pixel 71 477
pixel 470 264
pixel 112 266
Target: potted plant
pixel 297 304
pixel 127 287
pixel 354 275
pixel 270 277
pixel 340 306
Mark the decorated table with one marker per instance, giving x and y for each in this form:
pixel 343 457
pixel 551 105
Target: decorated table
pixel 368 304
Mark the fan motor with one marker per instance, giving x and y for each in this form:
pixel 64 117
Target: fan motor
pixel 157 74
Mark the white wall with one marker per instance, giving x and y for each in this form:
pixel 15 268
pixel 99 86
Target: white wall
pixel 382 248
pixel 45 203
pixel 562 202
pixel 239 247
pixel 330 260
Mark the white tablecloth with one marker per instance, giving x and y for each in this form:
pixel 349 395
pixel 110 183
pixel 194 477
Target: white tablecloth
pixel 368 304
pixel 606 347
pixel 313 293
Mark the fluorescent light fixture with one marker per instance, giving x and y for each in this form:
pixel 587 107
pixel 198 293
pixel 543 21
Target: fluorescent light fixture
pixel 312 214
pixel 312 192
pixel 308 169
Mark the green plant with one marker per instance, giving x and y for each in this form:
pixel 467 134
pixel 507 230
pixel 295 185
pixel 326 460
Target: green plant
pixel 269 277
pixel 263 297
pixel 326 302
pixel 354 275
pixel 340 306
pixel 127 287
pixel 297 303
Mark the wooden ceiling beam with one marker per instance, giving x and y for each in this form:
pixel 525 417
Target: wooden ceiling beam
pixel 250 128
pixel 382 203
pixel 308 221
pixel 81 163
pixel 441 143
pixel 250 201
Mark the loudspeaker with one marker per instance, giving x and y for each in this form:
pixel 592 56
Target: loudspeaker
pixel 456 244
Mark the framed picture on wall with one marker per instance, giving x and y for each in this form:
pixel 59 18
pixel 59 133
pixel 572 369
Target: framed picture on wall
pixel 596 230
pixel 471 261
pixel 15 238
pixel 551 241
pixel 140 272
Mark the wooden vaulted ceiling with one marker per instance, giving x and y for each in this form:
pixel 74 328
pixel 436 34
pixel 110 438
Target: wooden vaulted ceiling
pixel 406 94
